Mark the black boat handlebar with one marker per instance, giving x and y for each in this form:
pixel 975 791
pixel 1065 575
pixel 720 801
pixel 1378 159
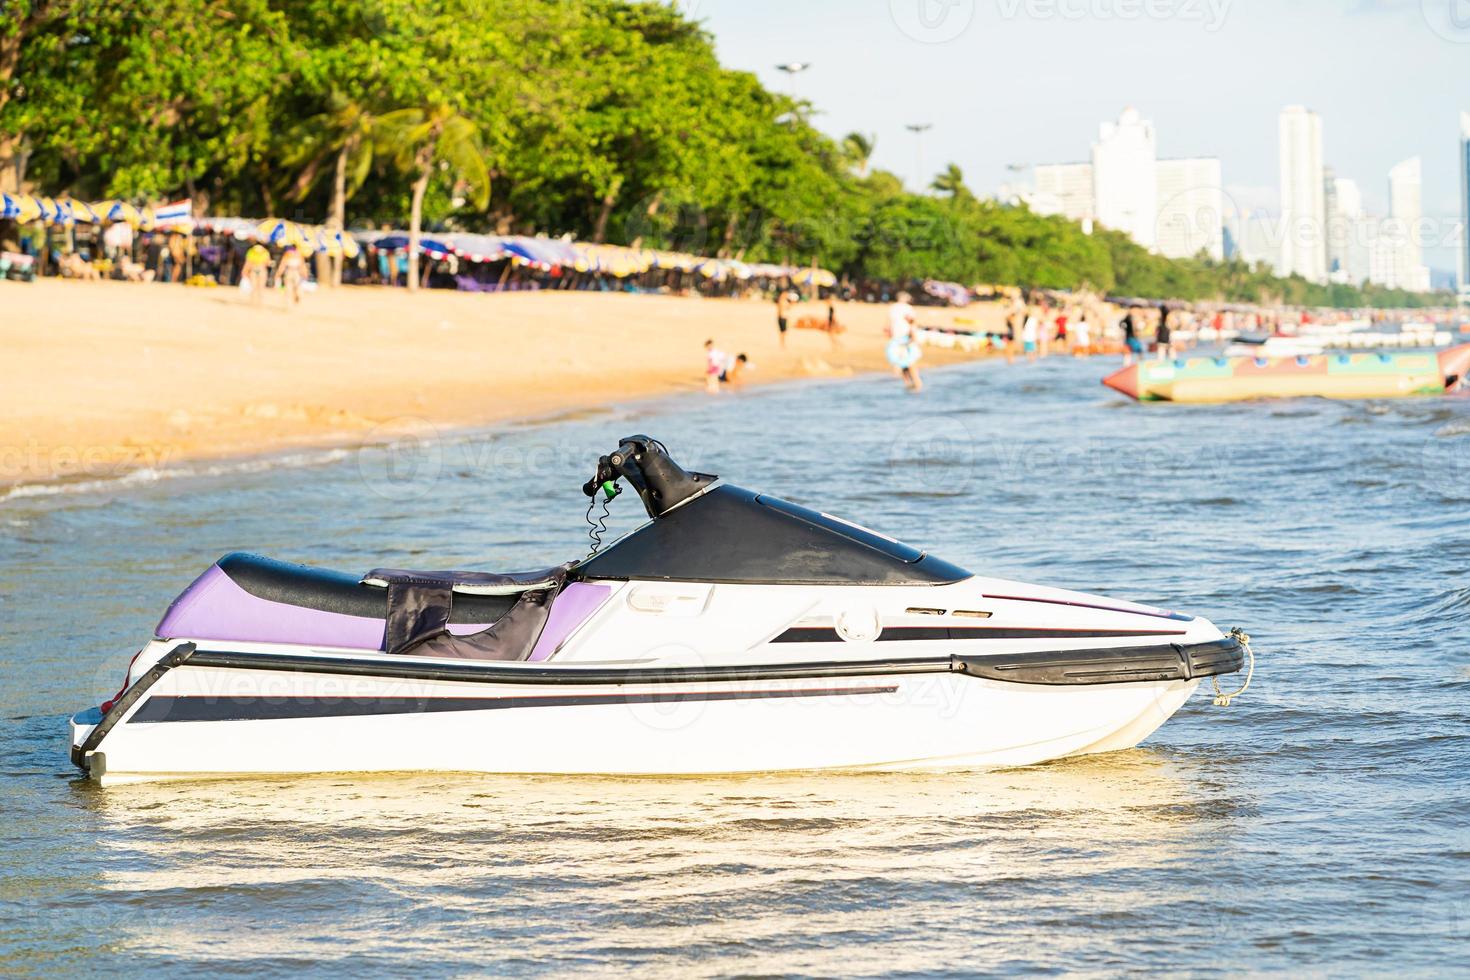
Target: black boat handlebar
pixel 645 463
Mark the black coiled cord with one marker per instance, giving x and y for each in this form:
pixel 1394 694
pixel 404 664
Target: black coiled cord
pixel 596 529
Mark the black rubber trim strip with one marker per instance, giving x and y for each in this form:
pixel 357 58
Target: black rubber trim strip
pixel 1120 665
pixel 824 634
pixel 168 708
pixel 499 673
pixel 178 655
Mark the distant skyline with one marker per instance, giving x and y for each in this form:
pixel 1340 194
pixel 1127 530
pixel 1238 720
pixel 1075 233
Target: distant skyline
pixel 1010 82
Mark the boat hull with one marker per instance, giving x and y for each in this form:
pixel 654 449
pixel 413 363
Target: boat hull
pixel 217 712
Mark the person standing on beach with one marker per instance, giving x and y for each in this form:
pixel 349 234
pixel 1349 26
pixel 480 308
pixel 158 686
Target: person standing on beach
pixel 1081 335
pixel 257 268
pixel 902 352
pixel 1131 344
pixel 783 309
pixel 289 272
pixel 832 326
pixel 1162 343
pixel 1030 333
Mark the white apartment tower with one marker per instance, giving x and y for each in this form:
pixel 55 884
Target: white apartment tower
pixel 1303 204
pixel 1123 179
pixel 1405 195
pixel 1070 186
pixel 1173 207
pixel 1190 208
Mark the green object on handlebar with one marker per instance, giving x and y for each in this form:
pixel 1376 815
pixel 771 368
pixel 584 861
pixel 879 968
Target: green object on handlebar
pixel 610 488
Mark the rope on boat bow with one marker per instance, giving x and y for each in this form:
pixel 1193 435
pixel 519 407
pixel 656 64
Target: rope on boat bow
pixel 1222 700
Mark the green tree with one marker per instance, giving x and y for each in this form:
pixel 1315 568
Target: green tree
pixel 421 140
pixel 951 181
pixel 344 136
pixel 857 150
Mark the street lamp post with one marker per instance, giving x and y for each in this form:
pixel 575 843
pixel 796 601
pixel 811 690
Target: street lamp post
pixel 919 129
pixel 792 69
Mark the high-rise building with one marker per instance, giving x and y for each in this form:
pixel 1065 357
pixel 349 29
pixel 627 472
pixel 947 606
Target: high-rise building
pixel 1464 168
pixel 1405 194
pixel 1303 248
pixel 1173 207
pixel 1069 185
pixel 1190 208
pixel 1124 185
pixel 1348 233
pixel 1259 238
pixel 1329 211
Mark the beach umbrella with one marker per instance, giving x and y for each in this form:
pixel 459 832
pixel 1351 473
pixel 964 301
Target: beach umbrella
pixel 818 277
pixel 278 232
pixel 50 211
pixel 84 212
pixel 119 211
pixel 477 248
pixel 9 207
pixel 30 208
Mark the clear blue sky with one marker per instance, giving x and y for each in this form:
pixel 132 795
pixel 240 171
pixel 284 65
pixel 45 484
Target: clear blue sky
pixel 1027 81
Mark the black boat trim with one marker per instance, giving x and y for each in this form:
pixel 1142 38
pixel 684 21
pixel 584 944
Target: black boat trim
pixel 500 673
pixel 114 714
pixel 1117 665
pixel 827 634
pixel 1221 656
pixel 186 708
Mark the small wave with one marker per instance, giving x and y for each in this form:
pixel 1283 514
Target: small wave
pixel 147 475
pixel 1459 427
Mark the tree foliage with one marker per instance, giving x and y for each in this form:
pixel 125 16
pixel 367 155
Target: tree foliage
pixel 605 119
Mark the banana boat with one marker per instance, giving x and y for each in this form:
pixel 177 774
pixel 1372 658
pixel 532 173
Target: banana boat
pixel 1227 379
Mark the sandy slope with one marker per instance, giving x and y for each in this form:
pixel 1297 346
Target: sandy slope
pixel 102 377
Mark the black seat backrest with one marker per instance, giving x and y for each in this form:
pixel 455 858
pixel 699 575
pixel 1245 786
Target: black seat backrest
pixel 338 592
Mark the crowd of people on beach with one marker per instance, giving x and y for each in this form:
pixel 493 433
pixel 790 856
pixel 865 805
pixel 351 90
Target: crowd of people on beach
pixel 1032 327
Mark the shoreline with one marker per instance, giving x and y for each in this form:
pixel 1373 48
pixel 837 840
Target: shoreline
pixel 110 380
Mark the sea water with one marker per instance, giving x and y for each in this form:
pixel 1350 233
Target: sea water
pixel 1318 825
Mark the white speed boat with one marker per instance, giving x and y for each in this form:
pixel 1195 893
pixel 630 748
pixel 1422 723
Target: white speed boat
pixel 733 632
pixel 1275 345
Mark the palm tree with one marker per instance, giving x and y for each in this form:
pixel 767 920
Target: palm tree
pixel 420 140
pixel 343 133
pixel 951 181
pixel 858 148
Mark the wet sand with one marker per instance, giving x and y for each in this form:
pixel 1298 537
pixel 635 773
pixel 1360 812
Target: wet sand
pixel 102 378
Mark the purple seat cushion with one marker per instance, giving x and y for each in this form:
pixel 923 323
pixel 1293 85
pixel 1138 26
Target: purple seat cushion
pixel 213 607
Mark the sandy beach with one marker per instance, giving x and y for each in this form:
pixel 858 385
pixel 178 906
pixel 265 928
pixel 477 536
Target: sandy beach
pixel 105 377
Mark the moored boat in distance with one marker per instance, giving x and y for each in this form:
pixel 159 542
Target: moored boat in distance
pixel 733 632
pixel 1224 379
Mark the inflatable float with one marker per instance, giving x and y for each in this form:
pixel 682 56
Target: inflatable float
pixel 1227 379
